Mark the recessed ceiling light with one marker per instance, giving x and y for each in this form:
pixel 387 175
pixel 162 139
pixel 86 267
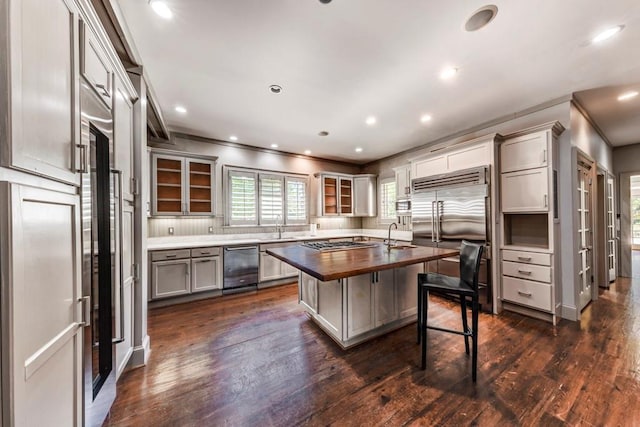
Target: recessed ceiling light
pixel 323 133
pixel 274 145
pixel 448 73
pixel 161 9
pixel 607 34
pixel 425 118
pixel 358 149
pixel 628 95
pixel 371 120
pixel 275 89
pixel 307 152
pixel 180 109
pixel 481 18
pixel 233 138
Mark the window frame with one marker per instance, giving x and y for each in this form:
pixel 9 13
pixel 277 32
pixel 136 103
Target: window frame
pixel 258 174
pixel 387 219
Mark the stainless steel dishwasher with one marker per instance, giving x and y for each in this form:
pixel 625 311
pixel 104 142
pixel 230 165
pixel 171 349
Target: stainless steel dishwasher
pixel 240 268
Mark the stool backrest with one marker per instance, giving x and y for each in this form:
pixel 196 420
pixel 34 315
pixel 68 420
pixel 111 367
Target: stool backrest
pixel 470 257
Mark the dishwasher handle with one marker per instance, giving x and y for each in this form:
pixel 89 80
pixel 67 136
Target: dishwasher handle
pixel 241 248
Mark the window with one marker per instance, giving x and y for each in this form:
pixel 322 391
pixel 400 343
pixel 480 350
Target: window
pixel 257 197
pixel 296 200
pixel 242 198
pixel 271 199
pixel 387 199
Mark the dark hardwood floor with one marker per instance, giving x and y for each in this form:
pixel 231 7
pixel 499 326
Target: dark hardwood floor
pixel 256 360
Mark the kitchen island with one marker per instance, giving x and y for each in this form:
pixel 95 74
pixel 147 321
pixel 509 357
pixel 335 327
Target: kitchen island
pixel 358 293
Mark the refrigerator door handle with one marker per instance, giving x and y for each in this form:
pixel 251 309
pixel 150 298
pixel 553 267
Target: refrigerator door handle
pixel 439 204
pixel 119 235
pixel 433 221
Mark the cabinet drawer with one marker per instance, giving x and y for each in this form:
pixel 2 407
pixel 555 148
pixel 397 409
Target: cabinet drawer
pixel 94 66
pixel 538 273
pixel 526 292
pixel 200 252
pixel 169 255
pixel 526 257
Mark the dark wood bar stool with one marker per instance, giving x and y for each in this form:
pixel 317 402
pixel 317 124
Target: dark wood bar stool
pixel 465 287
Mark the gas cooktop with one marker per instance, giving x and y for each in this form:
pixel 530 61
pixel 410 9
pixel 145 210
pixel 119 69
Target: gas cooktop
pixel 338 246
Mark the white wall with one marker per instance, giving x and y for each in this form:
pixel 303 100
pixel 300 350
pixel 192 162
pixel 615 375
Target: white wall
pixel 229 154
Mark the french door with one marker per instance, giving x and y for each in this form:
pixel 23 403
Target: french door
pixel 585 235
pixel 611 232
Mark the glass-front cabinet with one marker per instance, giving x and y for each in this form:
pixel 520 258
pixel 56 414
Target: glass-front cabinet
pixel 182 185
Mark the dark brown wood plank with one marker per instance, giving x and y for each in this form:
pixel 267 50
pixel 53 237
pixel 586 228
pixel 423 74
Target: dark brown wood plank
pixel 332 265
pixel 257 359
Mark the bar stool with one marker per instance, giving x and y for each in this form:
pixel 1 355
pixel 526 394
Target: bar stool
pixel 466 286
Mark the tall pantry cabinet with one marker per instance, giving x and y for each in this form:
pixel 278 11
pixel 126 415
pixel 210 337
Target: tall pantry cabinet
pixel 529 250
pixel 43 64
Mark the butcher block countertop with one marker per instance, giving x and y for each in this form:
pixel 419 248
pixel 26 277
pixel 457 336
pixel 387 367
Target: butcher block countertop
pixel 332 265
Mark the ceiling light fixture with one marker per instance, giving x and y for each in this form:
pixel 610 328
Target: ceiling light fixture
pixel 307 152
pixel 371 120
pixel 628 95
pixel 358 150
pixel 161 9
pixel 274 145
pixel 233 138
pixel 607 34
pixel 323 133
pixel 448 73
pixel 481 18
pixel 180 109
pixel 275 89
pixel 425 118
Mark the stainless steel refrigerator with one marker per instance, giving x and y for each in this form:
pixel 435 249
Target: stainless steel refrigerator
pixel 451 207
pixel 102 257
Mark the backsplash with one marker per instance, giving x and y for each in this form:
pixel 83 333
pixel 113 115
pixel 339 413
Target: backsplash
pixel 159 227
pixel 403 223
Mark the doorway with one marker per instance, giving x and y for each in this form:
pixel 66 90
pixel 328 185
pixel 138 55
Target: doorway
pixel 634 215
pixel 585 209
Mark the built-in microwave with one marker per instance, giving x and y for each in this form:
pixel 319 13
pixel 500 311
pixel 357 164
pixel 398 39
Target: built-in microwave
pixel 403 207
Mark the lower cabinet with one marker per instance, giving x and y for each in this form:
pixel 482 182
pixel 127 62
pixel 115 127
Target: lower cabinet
pixel 272 268
pixel 308 292
pixel 407 289
pixel 184 271
pixel 360 307
pixel 329 312
pixel 384 298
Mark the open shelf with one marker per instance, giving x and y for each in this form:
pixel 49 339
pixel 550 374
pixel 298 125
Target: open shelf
pixel 527 230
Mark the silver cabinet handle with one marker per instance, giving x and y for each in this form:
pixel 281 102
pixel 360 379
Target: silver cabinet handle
pixel 544 156
pixel 86 310
pixel 104 90
pixel 120 234
pixel 524 294
pixel 524 271
pixel 83 159
pixel 171 256
pixel 524 258
pixel 546 203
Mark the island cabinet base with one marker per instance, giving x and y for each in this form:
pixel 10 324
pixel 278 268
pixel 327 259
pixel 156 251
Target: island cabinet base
pixel 358 308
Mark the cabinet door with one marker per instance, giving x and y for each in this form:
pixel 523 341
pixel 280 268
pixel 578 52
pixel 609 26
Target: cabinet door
pixel 167 185
pixel 525 191
pixel 359 305
pixel 364 199
pixel 329 195
pixel 308 292
pixel 200 186
pixel 43 365
pixel 428 167
pixel 524 152
pixel 205 274
pixel 270 267
pixel 289 270
pixel 44 96
pixel 403 182
pixel 94 65
pixel 469 157
pixel 124 349
pixel 407 289
pixel 330 307
pixel 170 278
pixel 346 196
pixel 384 298
pixel 123 138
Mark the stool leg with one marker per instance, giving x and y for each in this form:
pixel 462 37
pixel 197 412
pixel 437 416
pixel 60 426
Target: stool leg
pixel 419 323
pixel 425 314
pixel 465 325
pixel 474 325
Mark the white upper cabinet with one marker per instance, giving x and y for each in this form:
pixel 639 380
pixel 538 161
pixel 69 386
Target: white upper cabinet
pixel 44 96
pixel 429 166
pixel 403 181
pixel 525 191
pixel 123 138
pixel 524 152
pixel 471 154
pixel 94 65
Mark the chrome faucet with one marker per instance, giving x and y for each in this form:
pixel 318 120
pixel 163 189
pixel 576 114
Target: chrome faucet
pixel 389 244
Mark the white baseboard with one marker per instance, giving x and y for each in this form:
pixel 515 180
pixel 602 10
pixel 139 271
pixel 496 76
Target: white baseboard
pixel 140 354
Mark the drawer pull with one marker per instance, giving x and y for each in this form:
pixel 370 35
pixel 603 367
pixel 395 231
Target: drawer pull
pixel 524 258
pixel 524 271
pixel 205 253
pixel 171 255
pixel 524 294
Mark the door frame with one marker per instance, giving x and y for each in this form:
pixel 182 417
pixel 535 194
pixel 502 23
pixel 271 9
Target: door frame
pixel 583 159
pixel 600 253
pixel 623 226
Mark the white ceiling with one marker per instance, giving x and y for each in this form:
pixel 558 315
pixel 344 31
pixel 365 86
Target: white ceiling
pixel 342 62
